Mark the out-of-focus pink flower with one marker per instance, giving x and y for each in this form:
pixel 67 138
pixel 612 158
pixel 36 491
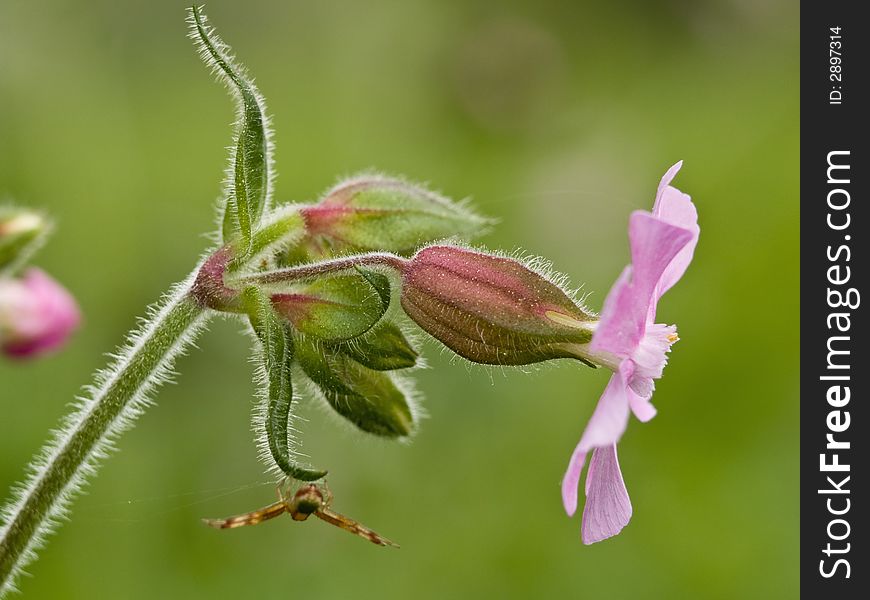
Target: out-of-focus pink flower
pixel 628 339
pixel 36 314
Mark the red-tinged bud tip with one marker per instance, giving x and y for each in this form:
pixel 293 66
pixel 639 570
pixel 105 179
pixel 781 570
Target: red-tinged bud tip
pixel 336 308
pixel 491 309
pixel 384 214
pixel 37 315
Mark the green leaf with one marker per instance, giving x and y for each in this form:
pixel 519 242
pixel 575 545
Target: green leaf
pixel 248 188
pixel 277 359
pixel 385 348
pixel 379 281
pixel 369 399
pixel 334 308
pixel 283 229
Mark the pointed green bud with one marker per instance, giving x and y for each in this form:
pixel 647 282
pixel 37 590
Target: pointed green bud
pixel 21 233
pixel 492 309
pixel 249 179
pixel 383 214
pixel 276 358
pixel 369 399
pixel 284 228
pixel 385 348
pixel 335 308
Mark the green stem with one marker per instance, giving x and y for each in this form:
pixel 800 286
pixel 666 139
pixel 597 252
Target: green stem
pixel 325 267
pixel 120 396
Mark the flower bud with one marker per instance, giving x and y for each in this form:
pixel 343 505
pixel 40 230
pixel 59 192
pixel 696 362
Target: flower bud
pixel 491 309
pixel 335 308
pixel 391 215
pixel 20 233
pixel 36 314
pixel 369 399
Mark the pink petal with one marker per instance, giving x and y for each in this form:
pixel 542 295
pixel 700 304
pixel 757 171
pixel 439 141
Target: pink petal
pixel 610 418
pixel 608 507
pixel 640 406
pixel 631 301
pixel 604 428
pixel 676 208
pixel 665 181
pixel 571 481
pixel 654 244
pixel 650 357
pixel 44 316
pixel 614 333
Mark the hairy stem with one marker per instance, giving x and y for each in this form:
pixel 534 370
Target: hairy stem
pixel 324 267
pixel 120 395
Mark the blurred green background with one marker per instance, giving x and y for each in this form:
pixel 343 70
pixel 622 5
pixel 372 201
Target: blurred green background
pixel 556 117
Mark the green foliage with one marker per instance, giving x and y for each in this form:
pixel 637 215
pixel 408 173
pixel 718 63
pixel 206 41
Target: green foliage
pixel 276 360
pixel 248 189
pixel 384 348
pixel 333 308
pixel 369 399
pixel 371 212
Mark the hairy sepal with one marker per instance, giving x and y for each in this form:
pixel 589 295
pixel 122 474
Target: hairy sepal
pixel 335 308
pixel 370 400
pixel 384 348
pixel 248 186
pixel 276 359
pixel 377 213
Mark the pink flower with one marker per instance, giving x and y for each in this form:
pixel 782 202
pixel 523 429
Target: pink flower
pixel 628 339
pixel 36 314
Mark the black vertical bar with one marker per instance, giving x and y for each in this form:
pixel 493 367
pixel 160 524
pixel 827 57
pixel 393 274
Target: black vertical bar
pixel 835 170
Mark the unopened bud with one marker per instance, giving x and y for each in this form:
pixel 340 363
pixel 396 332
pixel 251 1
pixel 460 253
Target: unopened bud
pixel 491 309
pixel 20 233
pixel 382 214
pixel 335 308
pixel 36 314
pixel 369 399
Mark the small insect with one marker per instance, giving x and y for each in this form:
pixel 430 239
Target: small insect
pixel 308 500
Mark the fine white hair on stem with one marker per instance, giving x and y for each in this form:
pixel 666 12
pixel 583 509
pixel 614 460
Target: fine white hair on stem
pixel 104 410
